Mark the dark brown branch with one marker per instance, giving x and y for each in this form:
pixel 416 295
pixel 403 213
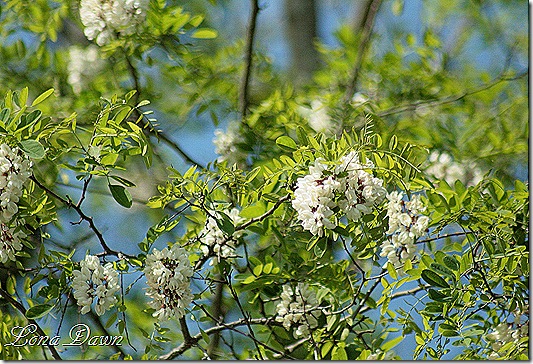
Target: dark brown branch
pixel 210 331
pixel 370 15
pixel 69 204
pixel 245 83
pixel 22 310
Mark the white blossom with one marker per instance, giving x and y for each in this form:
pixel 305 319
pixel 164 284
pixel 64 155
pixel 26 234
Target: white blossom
pixel 168 273
pixel 298 307
pixel 345 185
pixel 508 332
pixel 226 144
pixel 10 242
pixel 318 117
pixel 105 19
pixel 443 167
pixel 213 238
pixel 83 64
pixel 406 224
pixel 15 170
pixel 94 282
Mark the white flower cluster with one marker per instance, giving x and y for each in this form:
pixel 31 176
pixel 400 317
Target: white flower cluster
pixel 168 273
pixel 95 282
pixel 318 117
pixel 226 144
pixel 216 240
pixel 15 170
pixel 298 306
pixel 443 167
pixel 105 19
pixel 10 242
pixel 345 185
pixel 83 64
pixel 406 224
pixel 505 333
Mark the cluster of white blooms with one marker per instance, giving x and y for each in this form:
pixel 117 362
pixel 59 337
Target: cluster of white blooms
pixel 507 332
pixel 95 282
pixel 83 64
pixel 298 306
pixel 345 185
pixel 15 170
pixel 443 167
pixel 10 242
pixel 406 224
pixel 503 334
pixel 318 117
pixel 168 273
pixel 105 19
pixel 215 240
pixel 226 144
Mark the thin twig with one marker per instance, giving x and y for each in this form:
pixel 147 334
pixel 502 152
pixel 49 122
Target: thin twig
pixel 22 310
pixel 245 83
pixel 69 204
pixel 370 16
pixel 157 133
pixel 450 99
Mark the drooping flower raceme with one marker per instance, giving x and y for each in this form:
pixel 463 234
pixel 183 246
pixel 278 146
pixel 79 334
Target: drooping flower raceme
pixel 346 185
pixel 168 273
pixel 215 240
pixel 10 242
pixel 318 117
pixel 94 282
pixel 443 167
pixel 298 307
pixel 406 224
pixel 226 144
pixel 15 169
pixel 105 19
pixel 83 64
pixel 506 333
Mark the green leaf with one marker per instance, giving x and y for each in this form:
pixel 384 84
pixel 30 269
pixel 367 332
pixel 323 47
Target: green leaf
pixel 339 353
pixel 121 195
pixel 42 97
pixel 205 33
pixel 124 181
pixel 392 343
pixel 441 269
pixel 451 262
pixel 434 279
pixel 286 143
pixel 38 311
pixel 33 148
pixel 226 225
pixel 23 97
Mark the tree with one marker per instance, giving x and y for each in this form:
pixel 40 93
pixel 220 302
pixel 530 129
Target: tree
pixel 384 201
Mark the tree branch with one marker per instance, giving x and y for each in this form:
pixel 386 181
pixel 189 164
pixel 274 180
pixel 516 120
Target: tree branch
pixel 69 204
pixel 370 15
pixel 22 310
pixel 450 99
pixel 158 134
pixel 245 82
pixel 210 331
